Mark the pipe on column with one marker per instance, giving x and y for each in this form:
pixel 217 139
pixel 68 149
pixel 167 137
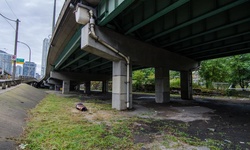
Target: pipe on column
pixel 127 59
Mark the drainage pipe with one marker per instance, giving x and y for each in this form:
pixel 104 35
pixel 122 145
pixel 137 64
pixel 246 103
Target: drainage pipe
pixel 127 59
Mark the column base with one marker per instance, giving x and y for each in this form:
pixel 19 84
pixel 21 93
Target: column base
pixel 65 88
pixel 162 97
pixel 119 101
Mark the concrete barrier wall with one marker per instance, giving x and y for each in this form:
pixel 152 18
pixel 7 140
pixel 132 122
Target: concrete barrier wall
pixel 14 104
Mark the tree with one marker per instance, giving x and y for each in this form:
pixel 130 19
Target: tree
pixel 240 70
pixel 142 78
pixel 215 70
pixel 174 74
pixel 233 69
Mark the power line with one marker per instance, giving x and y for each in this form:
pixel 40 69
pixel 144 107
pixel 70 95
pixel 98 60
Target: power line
pixel 7 20
pixel 10 8
pixel 10 24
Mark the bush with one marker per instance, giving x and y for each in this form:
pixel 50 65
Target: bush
pixel 175 83
pixel 231 92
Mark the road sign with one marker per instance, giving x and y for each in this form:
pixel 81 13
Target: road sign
pixel 20 61
pixel 13 57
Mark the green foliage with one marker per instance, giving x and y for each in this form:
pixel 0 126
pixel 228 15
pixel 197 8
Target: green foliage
pixel 240 69
pixel 143 80
pixel 215 70
pixel 175 83
pixel 196 86
pixel 233 69
pixel 174 74
pixel 96 85
pixel 138 77
pixel 230 92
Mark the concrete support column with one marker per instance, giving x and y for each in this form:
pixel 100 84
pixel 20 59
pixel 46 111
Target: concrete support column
pixel 3 85
pixel 8 84
pixel 87 87
pixel 186 85
pixel 57 87
pixel 162 89
pixel 105 86
pixel 119 86
pixel 65 87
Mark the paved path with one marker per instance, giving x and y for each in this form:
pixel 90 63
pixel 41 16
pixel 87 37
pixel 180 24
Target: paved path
pixel 14 104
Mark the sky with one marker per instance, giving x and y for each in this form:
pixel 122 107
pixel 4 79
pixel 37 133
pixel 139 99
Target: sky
pixel 36 24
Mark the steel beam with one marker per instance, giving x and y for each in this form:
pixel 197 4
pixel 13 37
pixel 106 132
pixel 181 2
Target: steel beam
pixel 207 50
pixel 209 31
pixel 157 15
pixel 217 11
pixel 88 62
pixel 210 42
pixel 109 9
pixel 138 68
pixel 73 44
pixel 102 68
pixel 75 60
pixel 226 53
pixel 100 64
pixel 107 71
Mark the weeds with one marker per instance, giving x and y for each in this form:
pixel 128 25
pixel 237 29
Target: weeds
pixel 56 124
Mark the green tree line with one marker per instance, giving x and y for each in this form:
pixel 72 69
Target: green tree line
pixel 234 70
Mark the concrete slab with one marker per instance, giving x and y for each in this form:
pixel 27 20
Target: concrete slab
pixel 14 104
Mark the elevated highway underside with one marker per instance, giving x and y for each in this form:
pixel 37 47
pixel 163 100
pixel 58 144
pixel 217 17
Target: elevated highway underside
pixel 166 35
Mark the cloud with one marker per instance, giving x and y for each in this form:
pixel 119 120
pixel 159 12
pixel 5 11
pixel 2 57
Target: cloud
pixel 36 21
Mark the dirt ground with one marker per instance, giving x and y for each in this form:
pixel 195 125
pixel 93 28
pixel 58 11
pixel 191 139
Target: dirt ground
pixel 224 119
pixel 221 119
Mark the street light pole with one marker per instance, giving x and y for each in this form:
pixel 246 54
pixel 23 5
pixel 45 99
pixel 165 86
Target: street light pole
pixel 28 47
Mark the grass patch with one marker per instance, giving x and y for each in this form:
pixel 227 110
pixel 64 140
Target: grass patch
pixel 56 124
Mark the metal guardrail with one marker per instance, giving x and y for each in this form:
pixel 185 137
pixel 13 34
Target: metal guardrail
pixel 8 83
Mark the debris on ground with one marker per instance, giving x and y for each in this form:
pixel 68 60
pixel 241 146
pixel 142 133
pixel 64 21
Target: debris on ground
pixel 211 129
pixel 81 107
pixel 227 141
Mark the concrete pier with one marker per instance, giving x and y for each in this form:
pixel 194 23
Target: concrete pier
pixel 162 90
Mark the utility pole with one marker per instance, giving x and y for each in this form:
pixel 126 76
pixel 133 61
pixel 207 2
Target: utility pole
pixel 15 51
pixel 15 48
pixel 54 15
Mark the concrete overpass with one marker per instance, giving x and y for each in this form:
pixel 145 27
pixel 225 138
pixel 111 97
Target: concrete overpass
pixel 126 35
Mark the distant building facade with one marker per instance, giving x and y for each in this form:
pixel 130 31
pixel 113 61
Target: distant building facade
pixel 38 76
pixel 29 69
pixel 44 56
pixel 19 71
pixel 5 61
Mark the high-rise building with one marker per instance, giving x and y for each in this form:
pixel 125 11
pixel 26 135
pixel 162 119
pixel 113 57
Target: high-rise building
pixel 19 71
pixel 29 69
pixel 5 61
pixel 44 56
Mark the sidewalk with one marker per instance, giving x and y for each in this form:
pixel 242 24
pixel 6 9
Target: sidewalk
pixel 14 104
